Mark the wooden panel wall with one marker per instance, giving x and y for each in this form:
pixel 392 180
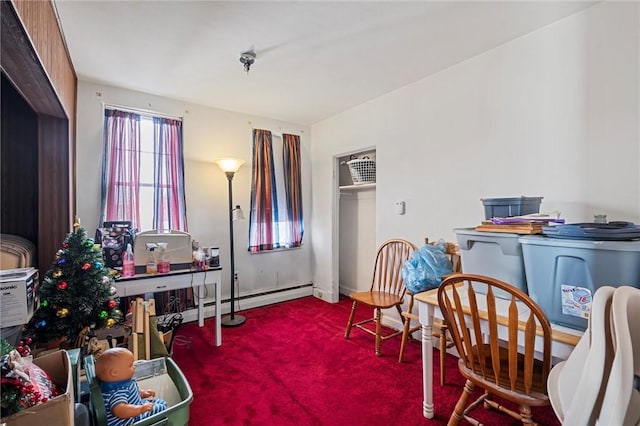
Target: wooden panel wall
pixel 41 23
pixel 53 202
pixel 40 20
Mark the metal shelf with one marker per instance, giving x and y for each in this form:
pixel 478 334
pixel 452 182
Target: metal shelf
pixel 359 186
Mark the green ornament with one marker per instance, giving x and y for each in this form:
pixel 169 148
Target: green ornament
pixel 44 303
pixel 103 314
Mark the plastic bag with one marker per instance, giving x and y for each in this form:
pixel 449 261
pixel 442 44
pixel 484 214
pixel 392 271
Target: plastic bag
pixel 425 268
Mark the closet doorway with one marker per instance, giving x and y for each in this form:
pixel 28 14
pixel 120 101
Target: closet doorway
pixel 356 220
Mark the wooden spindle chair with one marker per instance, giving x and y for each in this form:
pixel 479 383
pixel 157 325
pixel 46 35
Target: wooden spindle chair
pixel 439 327
pixel 387 289
pixel 507 368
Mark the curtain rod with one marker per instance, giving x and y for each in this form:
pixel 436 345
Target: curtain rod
pixel 140 111
pixel 279 134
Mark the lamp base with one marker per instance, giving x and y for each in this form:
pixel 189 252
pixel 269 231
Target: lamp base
pixel 228 321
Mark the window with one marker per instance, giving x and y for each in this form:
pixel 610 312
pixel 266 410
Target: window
pixel 143 171
pixel 276 193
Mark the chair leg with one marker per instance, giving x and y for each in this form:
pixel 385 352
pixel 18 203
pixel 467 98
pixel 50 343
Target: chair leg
pixel 525 415
pixel 459 410
pixel 351 317
pixel 405 337
pixel 443 353
pixel 378 330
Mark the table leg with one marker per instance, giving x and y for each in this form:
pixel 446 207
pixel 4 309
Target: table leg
pixel 218 313
pixel 427 364
pixel 201 305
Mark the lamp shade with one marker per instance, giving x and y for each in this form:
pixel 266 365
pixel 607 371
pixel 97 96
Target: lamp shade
pixel 230 164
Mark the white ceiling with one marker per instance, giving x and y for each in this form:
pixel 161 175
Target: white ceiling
pixel 314 59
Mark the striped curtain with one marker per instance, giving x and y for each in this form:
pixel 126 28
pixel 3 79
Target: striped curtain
pixel 293 187
pixel 121 167
pixel 169 198
pixel 263 222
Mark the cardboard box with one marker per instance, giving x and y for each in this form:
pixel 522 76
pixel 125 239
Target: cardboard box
pixel 58 411
pixel 18 297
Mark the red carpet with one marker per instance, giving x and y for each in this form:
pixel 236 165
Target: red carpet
pixel 290 364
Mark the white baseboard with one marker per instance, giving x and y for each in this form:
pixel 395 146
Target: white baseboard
pixel 251 301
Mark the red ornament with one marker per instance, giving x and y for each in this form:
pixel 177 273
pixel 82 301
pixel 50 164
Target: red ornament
pixel 86 267
pixel 111 304
pixel 62 285
pixel 65 245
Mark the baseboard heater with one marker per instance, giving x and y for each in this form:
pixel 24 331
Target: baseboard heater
pixel 251 301
pixel 264 293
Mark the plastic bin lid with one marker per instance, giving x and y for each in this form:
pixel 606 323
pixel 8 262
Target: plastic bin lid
pixel 612 231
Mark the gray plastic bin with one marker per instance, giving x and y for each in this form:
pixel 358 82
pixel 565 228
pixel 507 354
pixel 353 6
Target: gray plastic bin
pixel 514 206
pixel 563 274
pixel 494 254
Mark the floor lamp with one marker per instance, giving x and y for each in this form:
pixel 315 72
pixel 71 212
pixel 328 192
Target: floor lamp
pixel 230 166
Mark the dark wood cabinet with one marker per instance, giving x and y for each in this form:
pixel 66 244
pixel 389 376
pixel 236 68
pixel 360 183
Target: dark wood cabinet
pixel 38 128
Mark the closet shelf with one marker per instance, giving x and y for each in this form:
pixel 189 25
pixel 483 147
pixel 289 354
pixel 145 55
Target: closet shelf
pixel 358 187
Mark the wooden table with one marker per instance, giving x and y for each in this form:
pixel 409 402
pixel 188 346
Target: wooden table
pixel 563 341
pixel 175 280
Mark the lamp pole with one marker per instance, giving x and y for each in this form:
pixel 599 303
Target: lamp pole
pixel 232 320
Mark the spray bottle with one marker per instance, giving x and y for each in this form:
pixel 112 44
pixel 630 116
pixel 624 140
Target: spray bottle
pixel 128 265
pixel 152 264
pixel 164 265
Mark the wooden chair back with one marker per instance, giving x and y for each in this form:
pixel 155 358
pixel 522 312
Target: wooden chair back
pixel 506 367
pixel 453 252
pixel 387 269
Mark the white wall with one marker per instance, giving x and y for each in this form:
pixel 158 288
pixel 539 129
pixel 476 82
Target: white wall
pixel 553 113
pixel 209 134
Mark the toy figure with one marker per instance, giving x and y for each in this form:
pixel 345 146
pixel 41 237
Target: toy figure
pixel 122 397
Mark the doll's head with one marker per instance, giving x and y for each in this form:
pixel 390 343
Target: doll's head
pixel 114 365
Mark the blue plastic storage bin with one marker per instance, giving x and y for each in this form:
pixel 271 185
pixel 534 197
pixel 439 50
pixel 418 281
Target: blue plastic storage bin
pixel 494 254
pixel 563 274
pixel 506 207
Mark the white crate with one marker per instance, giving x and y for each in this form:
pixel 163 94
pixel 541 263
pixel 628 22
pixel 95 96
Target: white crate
pixel 18 297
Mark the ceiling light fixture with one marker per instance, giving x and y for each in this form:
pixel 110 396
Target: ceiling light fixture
pixel 248 58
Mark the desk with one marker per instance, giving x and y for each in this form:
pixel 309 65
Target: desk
pixel 563 340
pixel 175 280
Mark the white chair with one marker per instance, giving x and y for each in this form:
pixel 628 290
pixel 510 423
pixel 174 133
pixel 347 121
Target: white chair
pixel 576 386
pixel 621 402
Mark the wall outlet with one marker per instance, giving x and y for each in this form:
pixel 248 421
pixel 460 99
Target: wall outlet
pixel 235 275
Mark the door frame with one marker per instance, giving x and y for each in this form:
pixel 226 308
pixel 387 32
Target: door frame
pixel 335 220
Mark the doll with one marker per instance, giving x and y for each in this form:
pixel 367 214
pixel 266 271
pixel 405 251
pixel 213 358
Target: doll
pixel 122 397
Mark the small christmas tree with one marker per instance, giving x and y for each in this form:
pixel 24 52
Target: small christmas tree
pixel 77 292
